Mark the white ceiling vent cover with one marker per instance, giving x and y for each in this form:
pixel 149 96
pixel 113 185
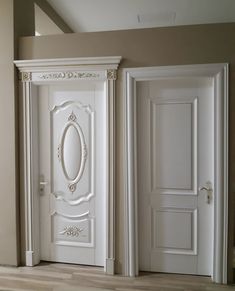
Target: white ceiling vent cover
pixel 161 18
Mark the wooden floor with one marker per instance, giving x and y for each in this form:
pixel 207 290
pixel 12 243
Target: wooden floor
pixel 62 277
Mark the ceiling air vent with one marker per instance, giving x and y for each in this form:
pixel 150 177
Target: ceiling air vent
pixel 158 19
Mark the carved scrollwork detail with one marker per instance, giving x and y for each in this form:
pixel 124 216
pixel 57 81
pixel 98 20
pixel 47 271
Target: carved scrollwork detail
pixel 73 231
pixel 59 152
pixel 72 187
pixel 84 152
pixel 68 75
pixel 111 74
pixel 72 117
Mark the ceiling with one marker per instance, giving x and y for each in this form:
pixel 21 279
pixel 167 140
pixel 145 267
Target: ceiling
pixel 43 24
pixel 104 15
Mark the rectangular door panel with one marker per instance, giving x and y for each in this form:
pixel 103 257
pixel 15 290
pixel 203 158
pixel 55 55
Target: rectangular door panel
pixel 173 142
pixel 180 235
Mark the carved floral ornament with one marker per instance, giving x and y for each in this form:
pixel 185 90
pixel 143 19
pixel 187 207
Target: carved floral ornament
pixel 68 75
pixel 73 231
pixel 111 74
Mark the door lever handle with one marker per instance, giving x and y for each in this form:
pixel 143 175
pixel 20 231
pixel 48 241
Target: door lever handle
pixel 205 188
pixel 43 183
pixel 209 190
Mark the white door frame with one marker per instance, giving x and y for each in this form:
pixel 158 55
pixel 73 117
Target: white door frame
pixel 219 74
pixel 52 71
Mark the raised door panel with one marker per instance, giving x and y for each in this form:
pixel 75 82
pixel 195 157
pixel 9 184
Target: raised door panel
pixel 173 143
pixel 72 128
pixel 174 230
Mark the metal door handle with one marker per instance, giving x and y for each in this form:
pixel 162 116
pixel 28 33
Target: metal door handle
pixel 209 190
pixel 43 183
pixel 205 188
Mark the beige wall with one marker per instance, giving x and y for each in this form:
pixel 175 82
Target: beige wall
pixel 12 24
pixel 147 47
pixel 8 215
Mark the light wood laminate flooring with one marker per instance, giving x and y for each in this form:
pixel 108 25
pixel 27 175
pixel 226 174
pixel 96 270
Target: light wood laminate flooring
pixel 63 277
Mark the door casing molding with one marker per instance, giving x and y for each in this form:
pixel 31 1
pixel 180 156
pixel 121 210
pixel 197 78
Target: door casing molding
pixel 219 74
pixel 34 73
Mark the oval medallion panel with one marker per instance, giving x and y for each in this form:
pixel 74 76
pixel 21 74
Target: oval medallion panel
pixel 72 152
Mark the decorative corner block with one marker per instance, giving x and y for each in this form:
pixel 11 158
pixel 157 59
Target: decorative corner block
pixel 111 74
pixel 25 76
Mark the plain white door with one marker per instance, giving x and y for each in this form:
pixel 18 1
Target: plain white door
pixel 72 167
pixel 175 159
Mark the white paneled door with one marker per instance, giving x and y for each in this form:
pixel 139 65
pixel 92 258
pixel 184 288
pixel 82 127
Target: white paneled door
pixel 175 153
pixel 72 151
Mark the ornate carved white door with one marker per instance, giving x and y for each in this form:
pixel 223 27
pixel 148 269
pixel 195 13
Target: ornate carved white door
pixel 67 147
pixel 72 152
